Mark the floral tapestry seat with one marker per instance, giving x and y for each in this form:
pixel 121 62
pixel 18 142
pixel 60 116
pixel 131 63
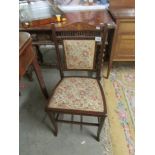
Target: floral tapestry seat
pixel 76 93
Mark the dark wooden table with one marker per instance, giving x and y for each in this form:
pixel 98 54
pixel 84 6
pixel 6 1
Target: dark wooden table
pixel 27 57
pixel 40 27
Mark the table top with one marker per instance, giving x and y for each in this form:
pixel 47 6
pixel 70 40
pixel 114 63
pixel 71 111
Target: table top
pixel 42 17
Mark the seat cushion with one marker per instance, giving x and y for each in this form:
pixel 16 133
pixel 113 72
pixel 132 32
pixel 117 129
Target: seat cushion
pixel 77 94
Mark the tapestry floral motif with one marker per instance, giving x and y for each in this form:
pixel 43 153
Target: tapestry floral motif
pixel 79 53
pixel 78 93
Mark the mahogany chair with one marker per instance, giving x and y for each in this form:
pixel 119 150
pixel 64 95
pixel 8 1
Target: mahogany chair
pixel 83 48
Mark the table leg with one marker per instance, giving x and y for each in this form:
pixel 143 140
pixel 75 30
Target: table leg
pixel 29 73
pixel 109 68
pixel 40 77
pixel 110 41
pixel 39 54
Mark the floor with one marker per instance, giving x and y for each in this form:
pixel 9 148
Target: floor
pixel 36 137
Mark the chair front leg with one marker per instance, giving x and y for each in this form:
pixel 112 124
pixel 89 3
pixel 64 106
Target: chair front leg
pixel 101 122
pixel 52 118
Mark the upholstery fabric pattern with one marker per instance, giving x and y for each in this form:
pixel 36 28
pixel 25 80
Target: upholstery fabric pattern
pixel 77 94
pixel 79 54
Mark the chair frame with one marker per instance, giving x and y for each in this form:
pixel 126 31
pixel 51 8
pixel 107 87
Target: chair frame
pixel 71 30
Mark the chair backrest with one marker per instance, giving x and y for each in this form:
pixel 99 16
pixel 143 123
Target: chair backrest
pixel 83 47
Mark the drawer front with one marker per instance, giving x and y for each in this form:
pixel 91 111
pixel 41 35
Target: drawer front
pixel 125 47
pixel 126 26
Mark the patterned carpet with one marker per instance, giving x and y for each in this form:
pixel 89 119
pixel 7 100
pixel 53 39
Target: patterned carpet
pixel 120 94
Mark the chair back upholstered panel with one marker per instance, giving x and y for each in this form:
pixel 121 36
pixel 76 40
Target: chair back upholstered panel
pixel 82 48
pixel 79 54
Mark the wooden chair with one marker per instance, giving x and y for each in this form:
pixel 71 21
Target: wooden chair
pixel 83 48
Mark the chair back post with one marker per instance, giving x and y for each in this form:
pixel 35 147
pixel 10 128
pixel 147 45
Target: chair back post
pixel 57 50
pixel 104 30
